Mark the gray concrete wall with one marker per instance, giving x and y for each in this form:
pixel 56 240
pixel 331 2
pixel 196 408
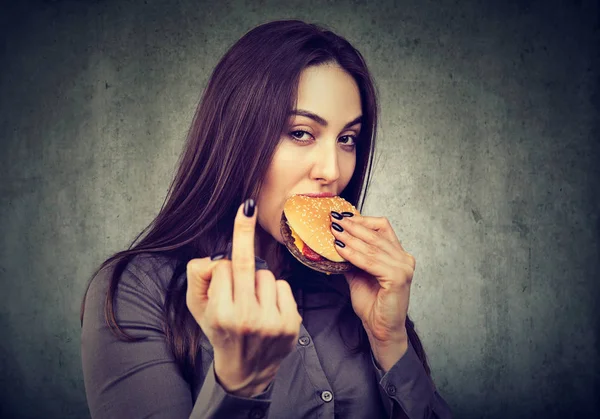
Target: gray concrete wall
pixel 488 171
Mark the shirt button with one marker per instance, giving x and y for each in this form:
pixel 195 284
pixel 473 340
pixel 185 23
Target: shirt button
pixel 304 340
pixel 391 390
pixel 327 396
pixel 257 413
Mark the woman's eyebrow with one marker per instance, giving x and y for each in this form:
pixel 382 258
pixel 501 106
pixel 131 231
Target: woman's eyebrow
pixel 322 121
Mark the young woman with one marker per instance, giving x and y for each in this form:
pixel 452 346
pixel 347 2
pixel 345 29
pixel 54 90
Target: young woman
pixel 170 332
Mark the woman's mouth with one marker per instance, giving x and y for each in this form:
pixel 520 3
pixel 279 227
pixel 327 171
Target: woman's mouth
pixel 318 194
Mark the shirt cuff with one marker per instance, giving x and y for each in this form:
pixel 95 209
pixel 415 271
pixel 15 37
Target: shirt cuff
pixel 214 401
pixel 407 382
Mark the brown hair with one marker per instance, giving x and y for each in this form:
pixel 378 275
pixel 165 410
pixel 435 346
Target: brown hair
pixel 232 138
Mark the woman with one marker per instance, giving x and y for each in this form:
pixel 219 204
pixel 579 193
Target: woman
pixel 169 332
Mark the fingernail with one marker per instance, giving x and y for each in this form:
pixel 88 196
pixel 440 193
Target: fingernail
pixel 339 243
pixel 337 227
pixel 249 207
pixel 336 215
pixel 347 214
pixel 218 256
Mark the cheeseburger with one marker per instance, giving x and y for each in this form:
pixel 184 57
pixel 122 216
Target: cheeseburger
pixel 306 231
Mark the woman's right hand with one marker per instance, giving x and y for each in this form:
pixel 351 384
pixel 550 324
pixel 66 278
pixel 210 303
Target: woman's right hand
pixel 251 319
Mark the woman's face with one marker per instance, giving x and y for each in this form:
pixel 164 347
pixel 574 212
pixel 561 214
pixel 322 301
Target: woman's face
pixel 317 153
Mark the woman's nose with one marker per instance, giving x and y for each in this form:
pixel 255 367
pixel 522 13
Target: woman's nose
pixel 326 164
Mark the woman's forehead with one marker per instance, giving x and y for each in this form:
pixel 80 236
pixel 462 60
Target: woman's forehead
pixel 330 92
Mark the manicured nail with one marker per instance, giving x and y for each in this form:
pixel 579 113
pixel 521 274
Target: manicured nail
pixel 339 243
pixel 218 256
pixel 336 215
pixel 249 207
pixel 347 214
pixel 337 227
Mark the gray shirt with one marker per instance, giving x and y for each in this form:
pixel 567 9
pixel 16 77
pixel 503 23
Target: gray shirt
pixel 320 378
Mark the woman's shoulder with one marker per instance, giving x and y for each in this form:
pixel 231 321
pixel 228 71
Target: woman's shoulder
pixel 145 273
pixel 143 282
pixel 153 263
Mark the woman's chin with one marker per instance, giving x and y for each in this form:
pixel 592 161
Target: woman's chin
pixel 279 238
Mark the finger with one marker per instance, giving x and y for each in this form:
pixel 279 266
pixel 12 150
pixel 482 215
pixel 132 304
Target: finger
pixel 199 277
pixel 266 291
pixel 363 238
pixel 371 224
pixel 242 256
pixel 287 304
pixel 378 224
pixel 360 254
pixel 220 291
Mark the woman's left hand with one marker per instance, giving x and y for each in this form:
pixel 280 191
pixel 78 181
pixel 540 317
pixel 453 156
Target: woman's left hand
pixel 380 282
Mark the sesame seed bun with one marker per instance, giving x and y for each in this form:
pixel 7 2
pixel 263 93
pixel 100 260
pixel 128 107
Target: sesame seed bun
pixel 306 222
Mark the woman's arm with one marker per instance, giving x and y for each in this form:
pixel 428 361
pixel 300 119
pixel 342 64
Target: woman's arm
pixel 141 379
pixel 407 391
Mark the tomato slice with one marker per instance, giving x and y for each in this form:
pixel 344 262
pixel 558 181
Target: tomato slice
pixel 311 254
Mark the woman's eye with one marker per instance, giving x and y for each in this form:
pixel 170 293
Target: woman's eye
pixel 346 138
pixel 298 135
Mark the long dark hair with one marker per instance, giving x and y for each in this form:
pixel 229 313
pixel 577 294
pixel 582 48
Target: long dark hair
pixel 233 135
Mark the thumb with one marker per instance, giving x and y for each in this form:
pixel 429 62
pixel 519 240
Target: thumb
pixel 350 275
pixel 199 275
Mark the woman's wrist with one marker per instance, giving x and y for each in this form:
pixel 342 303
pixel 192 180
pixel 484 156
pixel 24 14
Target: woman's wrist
pixel 244 390
pixel 386 354
pixel 251 391
pixel 248 388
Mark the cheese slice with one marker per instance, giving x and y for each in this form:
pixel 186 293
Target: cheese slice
pixel 297 240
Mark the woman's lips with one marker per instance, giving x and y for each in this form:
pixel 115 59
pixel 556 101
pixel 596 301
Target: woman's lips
pixel 318 195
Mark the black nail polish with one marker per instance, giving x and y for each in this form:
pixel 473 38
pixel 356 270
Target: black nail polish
pixel 249 207
pixel 218 256
pixel 347 214
pixel 339 243
pixel 337 227
pixel 336 215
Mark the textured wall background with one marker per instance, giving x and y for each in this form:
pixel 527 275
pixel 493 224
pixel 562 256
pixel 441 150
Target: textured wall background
pixel 488 170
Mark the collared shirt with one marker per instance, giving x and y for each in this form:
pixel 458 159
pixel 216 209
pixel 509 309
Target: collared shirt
pixel 319 378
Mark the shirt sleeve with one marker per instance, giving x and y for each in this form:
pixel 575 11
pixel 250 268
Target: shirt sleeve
pixel 214 402
pixel 408 384
pixel 141 379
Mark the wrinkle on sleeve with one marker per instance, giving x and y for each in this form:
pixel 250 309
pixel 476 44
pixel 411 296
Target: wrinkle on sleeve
pixel 214 402
pixel 408 384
